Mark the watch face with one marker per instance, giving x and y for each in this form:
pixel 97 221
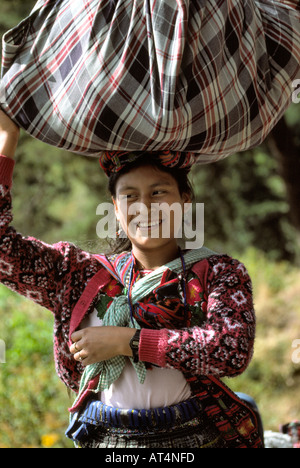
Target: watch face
pixel 135 341
pixel 134 345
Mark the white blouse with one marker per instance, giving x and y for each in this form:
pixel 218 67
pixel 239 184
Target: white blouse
pixel 162 387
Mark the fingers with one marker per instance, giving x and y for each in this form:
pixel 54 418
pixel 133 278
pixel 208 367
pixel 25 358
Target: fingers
pixel 96 344
pixel 77 345
pixel 7 125
pixel 77 348
pixel 79 354
pixel 76 336
pixel 81 357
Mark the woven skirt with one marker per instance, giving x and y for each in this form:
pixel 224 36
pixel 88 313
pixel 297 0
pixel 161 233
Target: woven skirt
pixel 180 426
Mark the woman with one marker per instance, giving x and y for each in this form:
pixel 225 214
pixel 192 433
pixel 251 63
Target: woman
pixel 142 336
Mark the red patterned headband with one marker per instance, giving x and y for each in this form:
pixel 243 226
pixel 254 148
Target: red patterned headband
pixel 113 161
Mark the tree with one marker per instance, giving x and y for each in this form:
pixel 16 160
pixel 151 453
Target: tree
pixel 284 144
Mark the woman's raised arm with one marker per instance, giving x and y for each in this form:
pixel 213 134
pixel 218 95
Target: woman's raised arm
pixel 9 136
pixel 46 274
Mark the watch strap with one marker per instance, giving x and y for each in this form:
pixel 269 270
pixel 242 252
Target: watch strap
pixel 134 345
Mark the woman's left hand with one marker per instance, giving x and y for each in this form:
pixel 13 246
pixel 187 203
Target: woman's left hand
pixel 96 344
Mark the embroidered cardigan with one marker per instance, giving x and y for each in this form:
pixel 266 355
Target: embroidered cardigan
pixel 70 282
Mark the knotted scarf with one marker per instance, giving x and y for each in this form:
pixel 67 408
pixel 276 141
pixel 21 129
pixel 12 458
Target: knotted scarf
pixel 114 161
pixel 119 314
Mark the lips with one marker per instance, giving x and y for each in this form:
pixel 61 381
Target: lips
pixel 147 225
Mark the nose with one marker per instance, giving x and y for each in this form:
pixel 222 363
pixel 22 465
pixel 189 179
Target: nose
pixel 144 208
pixel 141 208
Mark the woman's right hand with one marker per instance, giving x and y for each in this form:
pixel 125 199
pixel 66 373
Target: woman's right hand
pixel 9 136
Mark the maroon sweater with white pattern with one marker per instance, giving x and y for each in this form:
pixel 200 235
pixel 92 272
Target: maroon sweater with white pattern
pixel 69 281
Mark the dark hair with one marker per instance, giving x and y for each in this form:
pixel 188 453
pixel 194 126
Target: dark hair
pixel 180 175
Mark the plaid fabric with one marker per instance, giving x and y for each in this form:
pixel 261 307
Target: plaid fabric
pixel 210 77
pixel 193 437
pixel 190 435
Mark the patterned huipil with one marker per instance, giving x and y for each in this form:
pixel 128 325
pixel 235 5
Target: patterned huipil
pixel 214 340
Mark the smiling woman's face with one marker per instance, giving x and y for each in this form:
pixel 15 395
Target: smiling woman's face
pixel 139 194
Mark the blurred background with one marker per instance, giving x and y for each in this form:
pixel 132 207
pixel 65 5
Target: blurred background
pixel 251 212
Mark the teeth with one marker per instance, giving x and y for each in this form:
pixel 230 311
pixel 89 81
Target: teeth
pixel 147 225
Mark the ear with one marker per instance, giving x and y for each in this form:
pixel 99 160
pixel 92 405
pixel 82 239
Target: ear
pixel 186 198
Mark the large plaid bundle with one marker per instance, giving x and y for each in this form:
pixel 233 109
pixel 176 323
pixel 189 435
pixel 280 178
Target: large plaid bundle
pixel 206 76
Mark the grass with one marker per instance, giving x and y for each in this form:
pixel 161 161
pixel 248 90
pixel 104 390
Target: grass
pixel 272 378
pixel 34 403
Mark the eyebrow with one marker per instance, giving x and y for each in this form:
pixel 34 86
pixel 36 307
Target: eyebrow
pixel 157 184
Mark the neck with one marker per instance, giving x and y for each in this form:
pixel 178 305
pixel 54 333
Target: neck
pixel 153 259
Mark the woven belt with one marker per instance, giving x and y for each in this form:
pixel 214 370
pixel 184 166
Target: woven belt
pixel 98 414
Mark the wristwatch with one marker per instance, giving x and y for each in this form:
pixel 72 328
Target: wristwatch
pixel 134 345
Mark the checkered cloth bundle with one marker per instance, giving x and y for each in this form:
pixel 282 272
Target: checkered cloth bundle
pixel 211 77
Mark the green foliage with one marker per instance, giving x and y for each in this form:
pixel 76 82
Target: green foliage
pixel 246 212
pixel 12 11
pixel 33 402
pixel 55 193
pixel 245 205
pixel 272 378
